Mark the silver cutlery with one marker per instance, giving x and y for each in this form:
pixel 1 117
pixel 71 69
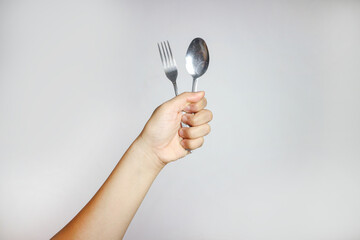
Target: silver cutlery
pixel 168 63
pixel 197 60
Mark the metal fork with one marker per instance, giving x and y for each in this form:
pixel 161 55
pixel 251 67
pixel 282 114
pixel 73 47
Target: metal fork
pixel 168 63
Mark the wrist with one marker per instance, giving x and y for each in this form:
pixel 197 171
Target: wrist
pixel 151 160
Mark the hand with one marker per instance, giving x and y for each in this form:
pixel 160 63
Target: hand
pixel 163 133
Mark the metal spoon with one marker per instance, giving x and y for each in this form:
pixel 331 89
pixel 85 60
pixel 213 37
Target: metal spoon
pixel 197 60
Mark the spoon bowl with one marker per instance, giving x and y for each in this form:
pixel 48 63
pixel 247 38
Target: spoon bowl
pixel 197 60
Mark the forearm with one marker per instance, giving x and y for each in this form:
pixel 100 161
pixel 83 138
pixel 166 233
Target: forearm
pixel 110 211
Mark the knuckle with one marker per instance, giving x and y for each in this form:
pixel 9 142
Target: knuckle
pixel 189 132
pixel 188 144
pixel 190 108
pixel 186 132
pixel 191 120
pixel 185 144
pixel 197 108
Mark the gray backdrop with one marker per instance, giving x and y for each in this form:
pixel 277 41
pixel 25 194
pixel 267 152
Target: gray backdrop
pixel 79 79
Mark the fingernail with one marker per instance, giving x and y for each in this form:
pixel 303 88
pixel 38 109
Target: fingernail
pixel 181 132
pixel 184 118
pixel 187 108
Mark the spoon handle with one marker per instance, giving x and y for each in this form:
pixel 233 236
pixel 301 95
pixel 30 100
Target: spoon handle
pixel 194 85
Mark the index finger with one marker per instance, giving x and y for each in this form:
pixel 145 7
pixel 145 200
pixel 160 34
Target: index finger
pixel 196 107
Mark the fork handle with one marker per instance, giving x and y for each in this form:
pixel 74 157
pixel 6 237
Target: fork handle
pixel 181 123
pixel 175 88
pixel 176 93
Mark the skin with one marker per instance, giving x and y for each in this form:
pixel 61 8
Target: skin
pixel 109 213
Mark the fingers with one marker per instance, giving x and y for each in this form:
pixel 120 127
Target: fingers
pixel 191 144
pixel 197 119
pixel 196 107
pixel 181 101
pixel 193 136
pixel 194 132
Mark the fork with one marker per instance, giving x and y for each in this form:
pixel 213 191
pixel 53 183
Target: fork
pixel 168 63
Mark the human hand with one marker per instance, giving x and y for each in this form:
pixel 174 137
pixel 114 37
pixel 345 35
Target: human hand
pixel 163 134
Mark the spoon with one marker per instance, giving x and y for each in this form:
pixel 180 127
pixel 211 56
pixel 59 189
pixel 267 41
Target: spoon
pixel 197 60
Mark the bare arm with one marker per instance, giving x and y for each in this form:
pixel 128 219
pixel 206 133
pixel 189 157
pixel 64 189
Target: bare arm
pixel 110 211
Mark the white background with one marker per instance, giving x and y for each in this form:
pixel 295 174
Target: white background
pixel 79 79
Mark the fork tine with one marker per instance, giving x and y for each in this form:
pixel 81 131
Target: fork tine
pixel 161 56
pixel 171 56
pixel 167 53
pixel 166 60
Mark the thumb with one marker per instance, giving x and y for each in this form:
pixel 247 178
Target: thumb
pixel 181 101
